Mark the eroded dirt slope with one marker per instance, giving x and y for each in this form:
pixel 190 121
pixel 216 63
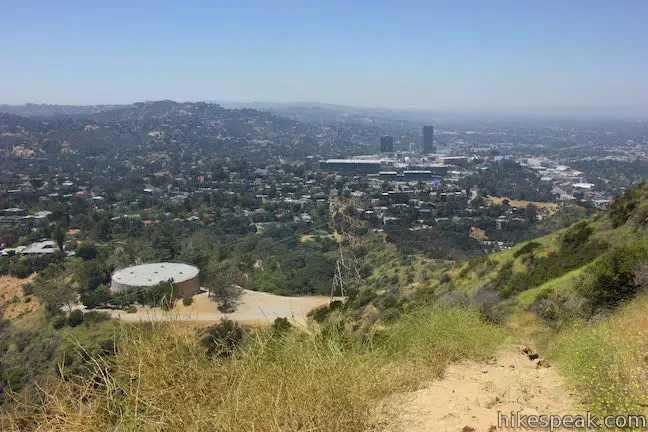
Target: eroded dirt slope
pixel 470 395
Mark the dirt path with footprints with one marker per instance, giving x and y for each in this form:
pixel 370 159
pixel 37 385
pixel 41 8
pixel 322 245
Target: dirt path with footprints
pixel 470 395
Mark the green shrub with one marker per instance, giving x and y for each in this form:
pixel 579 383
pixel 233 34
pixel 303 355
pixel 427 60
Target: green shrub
pixel 425 275
pixel 445 278
pixel 577 235
pixel 541 269
pixel 21 269
pixel 58 322
pixel 75 318
pixel 391 314
pixel 527 248
pixel 14 379
pixel 163 294
pixel 410 277
pixel 464 271
pixel 336 305
pixel 281 325
pixel 95 316
pixel 388 301
pixel 503 276
pixel 622 207
pixel 611 280
pixel 365 297
pixel 87 251
pixel 320 313
pixel 28 289
pixel 222 339
pixel 131 309
pixel 187 301
pixel 558 308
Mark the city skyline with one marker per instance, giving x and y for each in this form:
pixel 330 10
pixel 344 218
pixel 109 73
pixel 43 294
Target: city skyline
pixel 416 55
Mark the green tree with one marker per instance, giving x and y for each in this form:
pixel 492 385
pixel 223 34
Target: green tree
pixel 102 230
pixel 53 289
pixel 87 251
pixel 225 294
pixel 59 236
pixel 95 298
pixel 90 275
pixel 75 318
pixel 163 294
pixel 530 212
pixel 165 246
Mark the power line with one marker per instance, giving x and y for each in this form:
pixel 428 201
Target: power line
pixel 347 267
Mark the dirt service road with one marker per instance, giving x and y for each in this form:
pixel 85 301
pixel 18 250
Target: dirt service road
pixel 254 308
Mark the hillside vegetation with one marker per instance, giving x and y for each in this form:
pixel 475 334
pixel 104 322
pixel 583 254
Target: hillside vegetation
pixel 579 290
pixel 580 271
pixel 605 363
pixel 585 269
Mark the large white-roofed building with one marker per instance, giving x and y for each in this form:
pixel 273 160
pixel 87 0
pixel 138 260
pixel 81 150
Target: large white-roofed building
pixel 184 276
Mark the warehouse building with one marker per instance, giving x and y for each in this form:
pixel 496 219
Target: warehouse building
pixel 365 166
pixel 454 160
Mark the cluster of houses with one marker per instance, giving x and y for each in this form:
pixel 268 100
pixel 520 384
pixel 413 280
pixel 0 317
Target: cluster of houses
pixel 568 184
pixel 19 216
pixel 36 249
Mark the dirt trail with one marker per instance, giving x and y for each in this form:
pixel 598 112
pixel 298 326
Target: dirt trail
pixel 470 395
pixel 254 307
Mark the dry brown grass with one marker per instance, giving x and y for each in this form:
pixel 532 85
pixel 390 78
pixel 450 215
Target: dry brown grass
pixel 301 381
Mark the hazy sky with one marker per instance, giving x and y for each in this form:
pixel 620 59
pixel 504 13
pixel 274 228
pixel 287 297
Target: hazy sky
pixel 424 54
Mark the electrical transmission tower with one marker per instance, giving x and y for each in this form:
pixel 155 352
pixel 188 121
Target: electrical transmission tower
pixel 347 267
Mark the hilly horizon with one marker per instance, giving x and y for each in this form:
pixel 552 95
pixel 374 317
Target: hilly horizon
pixel 555 112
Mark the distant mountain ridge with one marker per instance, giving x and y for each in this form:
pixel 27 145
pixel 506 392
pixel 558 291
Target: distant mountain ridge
pixel 47 110
pixel 174 127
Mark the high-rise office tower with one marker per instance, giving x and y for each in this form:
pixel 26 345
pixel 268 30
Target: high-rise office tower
pixel 428 139
pixel 386 144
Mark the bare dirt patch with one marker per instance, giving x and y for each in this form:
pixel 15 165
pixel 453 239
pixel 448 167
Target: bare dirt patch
pixel 12 299
pixel 477 234
pixel 254 307
pixel 311 237
pixel 549 207
pixel 471 395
